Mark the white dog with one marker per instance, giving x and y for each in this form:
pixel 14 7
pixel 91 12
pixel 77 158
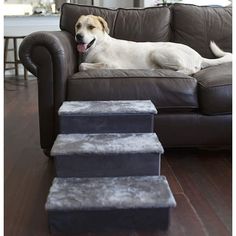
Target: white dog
pixel 105 52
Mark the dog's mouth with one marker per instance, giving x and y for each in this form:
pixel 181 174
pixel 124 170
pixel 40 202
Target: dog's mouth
pixel 83 47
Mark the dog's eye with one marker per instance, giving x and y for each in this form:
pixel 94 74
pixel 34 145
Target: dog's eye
pixel 78 26
pixel 90 27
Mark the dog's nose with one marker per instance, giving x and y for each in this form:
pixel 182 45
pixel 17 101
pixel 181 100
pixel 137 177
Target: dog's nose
pixel 79 38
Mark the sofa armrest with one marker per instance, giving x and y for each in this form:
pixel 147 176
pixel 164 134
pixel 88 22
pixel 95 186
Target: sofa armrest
pixel 51 57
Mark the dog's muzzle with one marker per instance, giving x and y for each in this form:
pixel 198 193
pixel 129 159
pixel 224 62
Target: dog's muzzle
pixel 83 47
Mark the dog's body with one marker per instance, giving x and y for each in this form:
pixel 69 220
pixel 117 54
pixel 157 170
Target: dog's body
pixel 105 52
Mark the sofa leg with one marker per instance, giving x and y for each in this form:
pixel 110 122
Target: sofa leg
pixel 47 152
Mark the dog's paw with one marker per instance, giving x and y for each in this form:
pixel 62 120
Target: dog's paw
pixel 82 67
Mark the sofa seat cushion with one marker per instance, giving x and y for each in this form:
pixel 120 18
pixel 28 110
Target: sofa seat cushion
pixel 168 90
pixel 215 89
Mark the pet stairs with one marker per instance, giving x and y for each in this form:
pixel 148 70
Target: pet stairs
pixel 108 169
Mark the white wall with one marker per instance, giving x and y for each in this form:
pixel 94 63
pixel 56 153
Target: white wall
pixel 207 2
pixel 24 25
pixel 116 4
pixel 148 3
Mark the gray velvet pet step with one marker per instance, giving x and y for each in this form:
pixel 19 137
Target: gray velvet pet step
pixel 134 116
pixel 93 204
pixel 108 154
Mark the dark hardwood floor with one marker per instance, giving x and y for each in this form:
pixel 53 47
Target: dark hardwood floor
pixel 200 180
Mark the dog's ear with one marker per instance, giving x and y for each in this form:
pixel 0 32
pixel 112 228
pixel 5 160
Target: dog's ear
pixel 104 24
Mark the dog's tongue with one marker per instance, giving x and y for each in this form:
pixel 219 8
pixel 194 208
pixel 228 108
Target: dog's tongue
pixel 82 47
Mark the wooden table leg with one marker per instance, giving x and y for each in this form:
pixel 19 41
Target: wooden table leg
pixel 25 74
pixel 6 42
pixel 15 56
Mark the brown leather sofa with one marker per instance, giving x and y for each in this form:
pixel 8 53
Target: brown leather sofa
pixel 194 111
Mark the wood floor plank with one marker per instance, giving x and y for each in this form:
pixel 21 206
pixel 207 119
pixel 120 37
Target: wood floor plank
pixel 28 173
pixel 166 170
pixel 206 180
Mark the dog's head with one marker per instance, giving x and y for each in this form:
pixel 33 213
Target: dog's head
pixel 89 30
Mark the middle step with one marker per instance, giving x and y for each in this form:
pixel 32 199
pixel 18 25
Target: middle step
pixel 107 154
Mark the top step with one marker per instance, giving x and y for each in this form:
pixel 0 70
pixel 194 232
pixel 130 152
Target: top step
pixel 134 116
pixel 107 107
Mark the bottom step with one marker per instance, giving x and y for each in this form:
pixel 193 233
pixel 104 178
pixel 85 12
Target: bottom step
pixel 102 204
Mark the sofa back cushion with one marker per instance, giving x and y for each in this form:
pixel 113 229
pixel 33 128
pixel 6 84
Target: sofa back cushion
pixel 71 12
pixel 188 24
pixel 150 24
pixel 197 26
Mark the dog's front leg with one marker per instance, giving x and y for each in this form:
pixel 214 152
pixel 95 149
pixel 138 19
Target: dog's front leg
pixel 91 66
